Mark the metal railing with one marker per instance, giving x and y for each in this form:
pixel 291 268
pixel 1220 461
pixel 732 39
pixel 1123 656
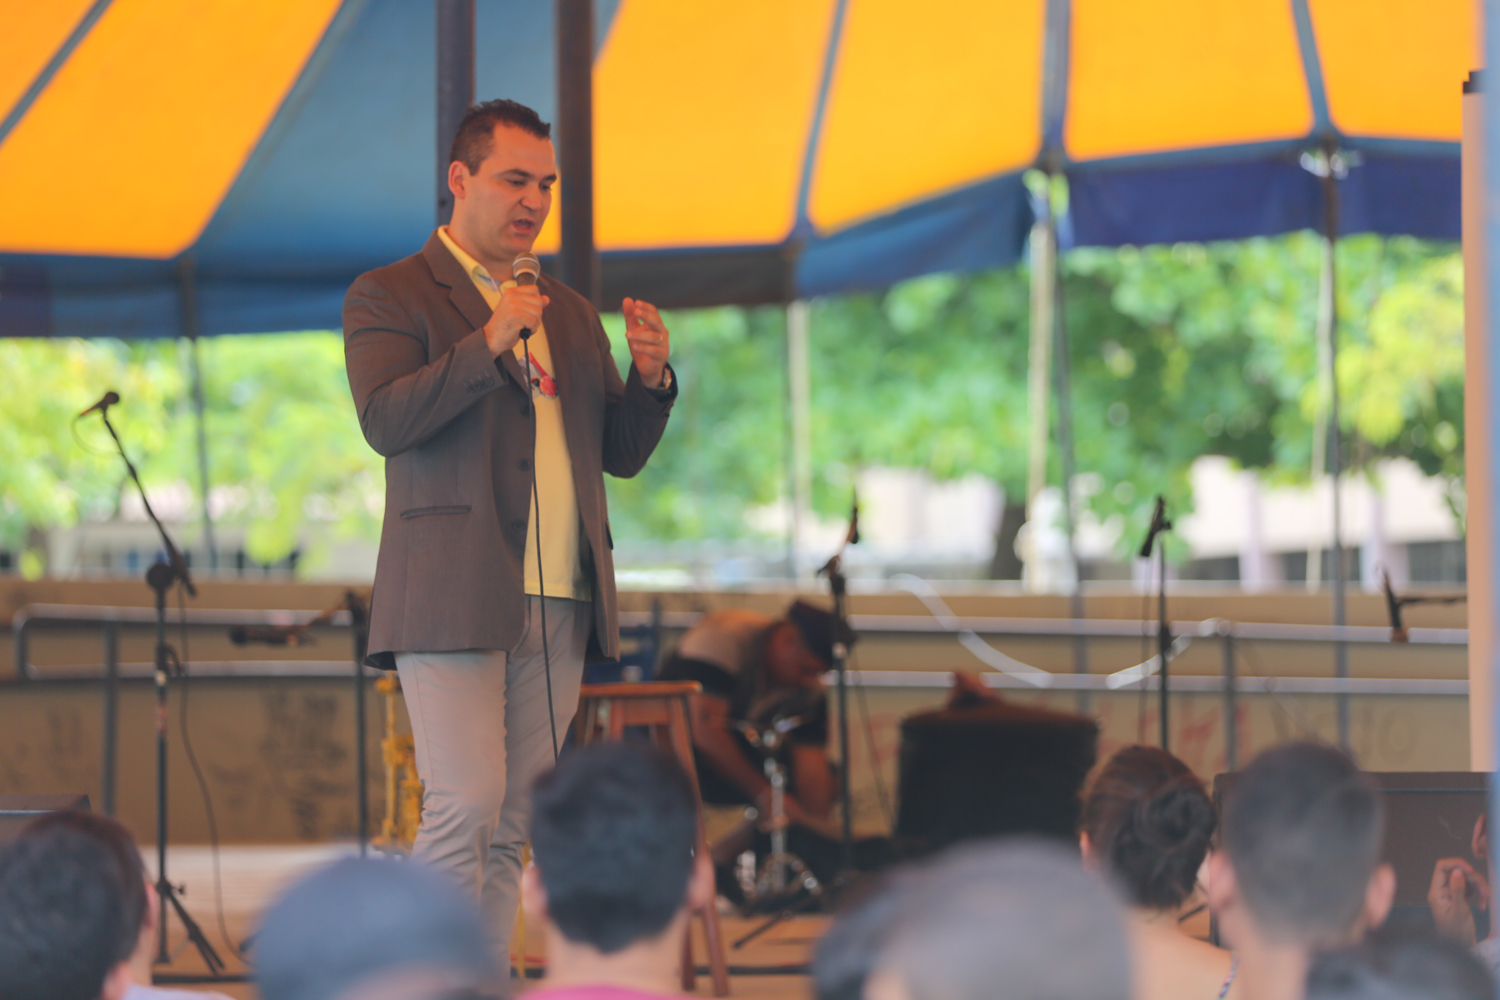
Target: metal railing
pixel 1008 674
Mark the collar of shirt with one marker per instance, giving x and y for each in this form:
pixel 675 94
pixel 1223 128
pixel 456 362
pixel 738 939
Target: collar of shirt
pixel 483 280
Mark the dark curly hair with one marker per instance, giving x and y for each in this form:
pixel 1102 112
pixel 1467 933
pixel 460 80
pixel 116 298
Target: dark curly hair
pixel 1149 822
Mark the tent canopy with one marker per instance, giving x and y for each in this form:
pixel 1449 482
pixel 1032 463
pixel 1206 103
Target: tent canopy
pixel 265 152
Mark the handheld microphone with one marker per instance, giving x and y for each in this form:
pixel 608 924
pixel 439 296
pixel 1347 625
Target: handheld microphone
pixel 109 399
pixel 526 270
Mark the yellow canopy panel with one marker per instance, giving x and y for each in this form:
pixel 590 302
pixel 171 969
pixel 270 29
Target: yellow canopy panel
pixel 702 113
pixel 32 32
pixel 925 100
pixel 135 141
pixel 1154 75
pixel 1396 68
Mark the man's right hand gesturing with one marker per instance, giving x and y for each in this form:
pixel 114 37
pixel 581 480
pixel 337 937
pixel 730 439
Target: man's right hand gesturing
pixel 520 308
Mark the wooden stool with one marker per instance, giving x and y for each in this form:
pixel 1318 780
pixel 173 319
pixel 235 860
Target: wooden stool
pixel 605 710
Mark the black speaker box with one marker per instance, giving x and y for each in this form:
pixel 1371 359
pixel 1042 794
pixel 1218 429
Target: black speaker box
pixel 992 769
pixel 1428 815
pixel 18 810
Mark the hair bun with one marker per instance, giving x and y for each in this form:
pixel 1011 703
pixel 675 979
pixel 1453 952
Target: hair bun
pixel 1150 820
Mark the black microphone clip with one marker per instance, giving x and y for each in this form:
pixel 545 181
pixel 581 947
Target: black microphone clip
pixel 109 399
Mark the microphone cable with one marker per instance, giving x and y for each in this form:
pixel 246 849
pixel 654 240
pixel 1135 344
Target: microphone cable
pixel 536 501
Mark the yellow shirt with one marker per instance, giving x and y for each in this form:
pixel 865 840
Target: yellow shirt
pixel 561 535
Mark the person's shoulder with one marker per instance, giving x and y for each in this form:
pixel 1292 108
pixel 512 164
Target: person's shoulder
pixel 563 296
pixel 400 274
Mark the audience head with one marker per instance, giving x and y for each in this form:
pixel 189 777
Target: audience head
pixel 1148 823
pixel 70 916
pixel 1020 912
pixel 1390 965
pixel 613 834
pixel 366 927
pixel 1302 834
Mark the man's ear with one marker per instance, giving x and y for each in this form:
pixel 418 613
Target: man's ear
pixel 701 886
pixel 533 891
pixel 153 907
pixel 1223 888
pixel 458 179
pixel 885 983
pixel 117 983
pixel 1379 895
pixel 1085 847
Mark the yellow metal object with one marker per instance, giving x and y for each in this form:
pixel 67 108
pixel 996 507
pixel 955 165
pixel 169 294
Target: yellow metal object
pixel 403 789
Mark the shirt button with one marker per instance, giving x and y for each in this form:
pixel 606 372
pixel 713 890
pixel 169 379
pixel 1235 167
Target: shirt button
pixel 525 410
pixel 524 464
pixel 518 527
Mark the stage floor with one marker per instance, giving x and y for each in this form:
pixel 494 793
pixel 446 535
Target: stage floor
pixel 251 877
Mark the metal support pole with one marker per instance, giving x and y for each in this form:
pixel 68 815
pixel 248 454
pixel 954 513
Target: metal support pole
pixel 187 303
pixel 1335 437
pixel 575 142
pixel 1231 694
pixel 1064 392
pixel 111 715
pixel 1479 411
pixel 800 384
pixel 455 87
pixel 1038 401
pixel 1163 642
pixel 1490 430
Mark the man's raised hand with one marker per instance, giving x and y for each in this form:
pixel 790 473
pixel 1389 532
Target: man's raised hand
pixel 649 341
pixel 520 307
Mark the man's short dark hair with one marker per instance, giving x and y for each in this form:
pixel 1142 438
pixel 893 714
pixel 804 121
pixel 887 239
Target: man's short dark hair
pixel 613 834
pixel 122 847
pixel 1400 965
pixel 476 132
pixel 63 923
pixel 1021 912
pixel 1303 827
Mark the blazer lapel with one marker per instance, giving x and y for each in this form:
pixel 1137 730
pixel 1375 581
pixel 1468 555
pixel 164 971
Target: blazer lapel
pixel 448 272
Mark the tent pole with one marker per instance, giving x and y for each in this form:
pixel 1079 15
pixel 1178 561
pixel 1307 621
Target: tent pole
pixel 455 87
pixel 1064 391
pixel 1489 432
pixel 1038 399
pixel 187 304
pixel 1330 178
pixel 575 141
pixel 799 385
pixel 1479 470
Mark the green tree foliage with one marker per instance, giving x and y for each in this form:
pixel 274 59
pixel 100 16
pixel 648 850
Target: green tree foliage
pixel 1176 352
pixel 52 472
pixel 284 446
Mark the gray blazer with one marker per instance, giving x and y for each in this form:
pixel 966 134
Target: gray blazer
pixel 454 427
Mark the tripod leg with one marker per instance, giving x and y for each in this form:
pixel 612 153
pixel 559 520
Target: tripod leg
pixel 194 932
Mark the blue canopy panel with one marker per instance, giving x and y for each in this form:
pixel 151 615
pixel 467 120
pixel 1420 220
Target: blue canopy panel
pixel 344 180
pixel 1388 191
pixel 983 225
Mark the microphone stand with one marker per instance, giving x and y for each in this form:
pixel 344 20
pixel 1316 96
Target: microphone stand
pixel 160 578
pixel 1394 604
pixel 1159 525
pixel 838 585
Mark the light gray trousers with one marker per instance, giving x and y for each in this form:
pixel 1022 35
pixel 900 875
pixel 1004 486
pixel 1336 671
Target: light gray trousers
pixel 479 725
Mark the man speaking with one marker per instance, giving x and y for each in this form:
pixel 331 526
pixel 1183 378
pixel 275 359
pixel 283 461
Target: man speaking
pixel 495 515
